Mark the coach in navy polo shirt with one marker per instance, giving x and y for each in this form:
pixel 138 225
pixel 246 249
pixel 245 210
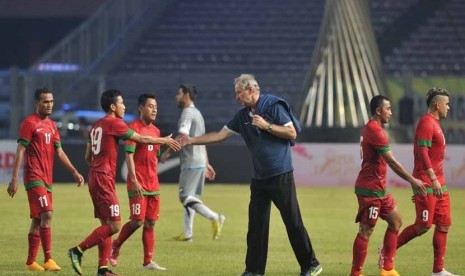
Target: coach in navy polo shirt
pixel 269 128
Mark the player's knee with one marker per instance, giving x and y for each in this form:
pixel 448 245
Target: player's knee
pixel 46 219
pixel 115 226
pixel 421 229
pixel 136 223
pixel 189 201
pixel 366 230
pixel 395 225
pixel 442 228
pixel 149 224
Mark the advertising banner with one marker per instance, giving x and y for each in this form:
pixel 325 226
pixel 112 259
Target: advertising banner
pixel 7 159
pixel 339 164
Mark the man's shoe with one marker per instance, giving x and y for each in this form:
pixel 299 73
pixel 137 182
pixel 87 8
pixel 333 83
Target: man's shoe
pixel 183 237
pixel 76 257
pixel 106 272
pixel 313 271
pixel 246 273
pixel 153 266
pixel 380 258
pixel 444 273
pixel 50 265
pixel 34 267
pixel 391 272
pixel 217 224
pixel 113 260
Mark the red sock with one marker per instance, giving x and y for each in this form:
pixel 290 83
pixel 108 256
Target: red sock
pixel 125 233
pixel 439 245
pixel 359 251
pixel 408 234
pixel 104 251
pixel 98 236
pixel 148 239
pixel 46 239
pixel 389 248
pixel 33 247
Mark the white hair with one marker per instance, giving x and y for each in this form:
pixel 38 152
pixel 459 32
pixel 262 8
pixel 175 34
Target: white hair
pixel 246 80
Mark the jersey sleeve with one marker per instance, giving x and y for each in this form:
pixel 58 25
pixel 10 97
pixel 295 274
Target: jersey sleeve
pixel 379 141
pixel 130 146
pixel 425 131
pixel 185 122
pixel 122 130
pixel 279 115
pixel 25 132
pixel 57 138
pixel 234 124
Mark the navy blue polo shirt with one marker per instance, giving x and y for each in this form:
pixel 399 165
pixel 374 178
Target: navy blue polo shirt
pixel 271 155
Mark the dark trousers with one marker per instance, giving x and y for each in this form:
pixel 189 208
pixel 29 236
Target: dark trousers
pixel 281 191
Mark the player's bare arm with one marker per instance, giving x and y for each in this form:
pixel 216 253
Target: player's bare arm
pixel 437 189
pixel 13 185
pixel 416 184
pixel 209 138
pixel 285 132
pixel 88 156
pixel 210 173
pixel 435 185
pixel 167 140
pixel 136 188
pixel 167 153
pixel 61 155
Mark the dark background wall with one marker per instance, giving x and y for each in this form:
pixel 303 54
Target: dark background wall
pixel 236 169
pixel 29 28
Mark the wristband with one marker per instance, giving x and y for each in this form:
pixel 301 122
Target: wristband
pixel 270 128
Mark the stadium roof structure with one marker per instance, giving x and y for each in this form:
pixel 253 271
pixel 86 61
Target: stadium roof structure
pixel 346 70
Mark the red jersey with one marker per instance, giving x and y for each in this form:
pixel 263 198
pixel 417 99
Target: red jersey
pixel 40 137
pixel 145 157
pixel 371 180
pixel 429 134
pixel 104 137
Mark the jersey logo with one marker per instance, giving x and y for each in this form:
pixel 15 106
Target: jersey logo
pixel 39 129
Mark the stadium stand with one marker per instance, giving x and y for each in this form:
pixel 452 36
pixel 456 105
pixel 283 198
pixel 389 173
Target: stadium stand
pixel 210 42
pixel 434 47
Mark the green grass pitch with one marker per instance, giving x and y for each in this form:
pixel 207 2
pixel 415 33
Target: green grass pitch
pixel 328 214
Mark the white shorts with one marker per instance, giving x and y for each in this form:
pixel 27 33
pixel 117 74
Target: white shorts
pixel 191 182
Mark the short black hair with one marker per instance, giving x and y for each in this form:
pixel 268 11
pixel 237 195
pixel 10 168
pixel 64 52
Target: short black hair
pixel 376 102
pixel 108 98
pixel 433 92
pixel 143 98
pixel 189 89
pixel 40 91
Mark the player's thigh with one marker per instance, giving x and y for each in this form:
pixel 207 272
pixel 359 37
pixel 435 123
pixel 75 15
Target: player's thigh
pixel 388 208
pixel 442 211
pixel 40 200
pixel 153 207
pixel 137 207
pixel 369 209
pixel 424 207
pixel 104 197
pixel 191 182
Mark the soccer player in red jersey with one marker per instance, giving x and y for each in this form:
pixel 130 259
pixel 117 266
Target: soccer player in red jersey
pixel 101 155
pixel 38 142
pixel 429 149
pixel 142 184
pixel 370 187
